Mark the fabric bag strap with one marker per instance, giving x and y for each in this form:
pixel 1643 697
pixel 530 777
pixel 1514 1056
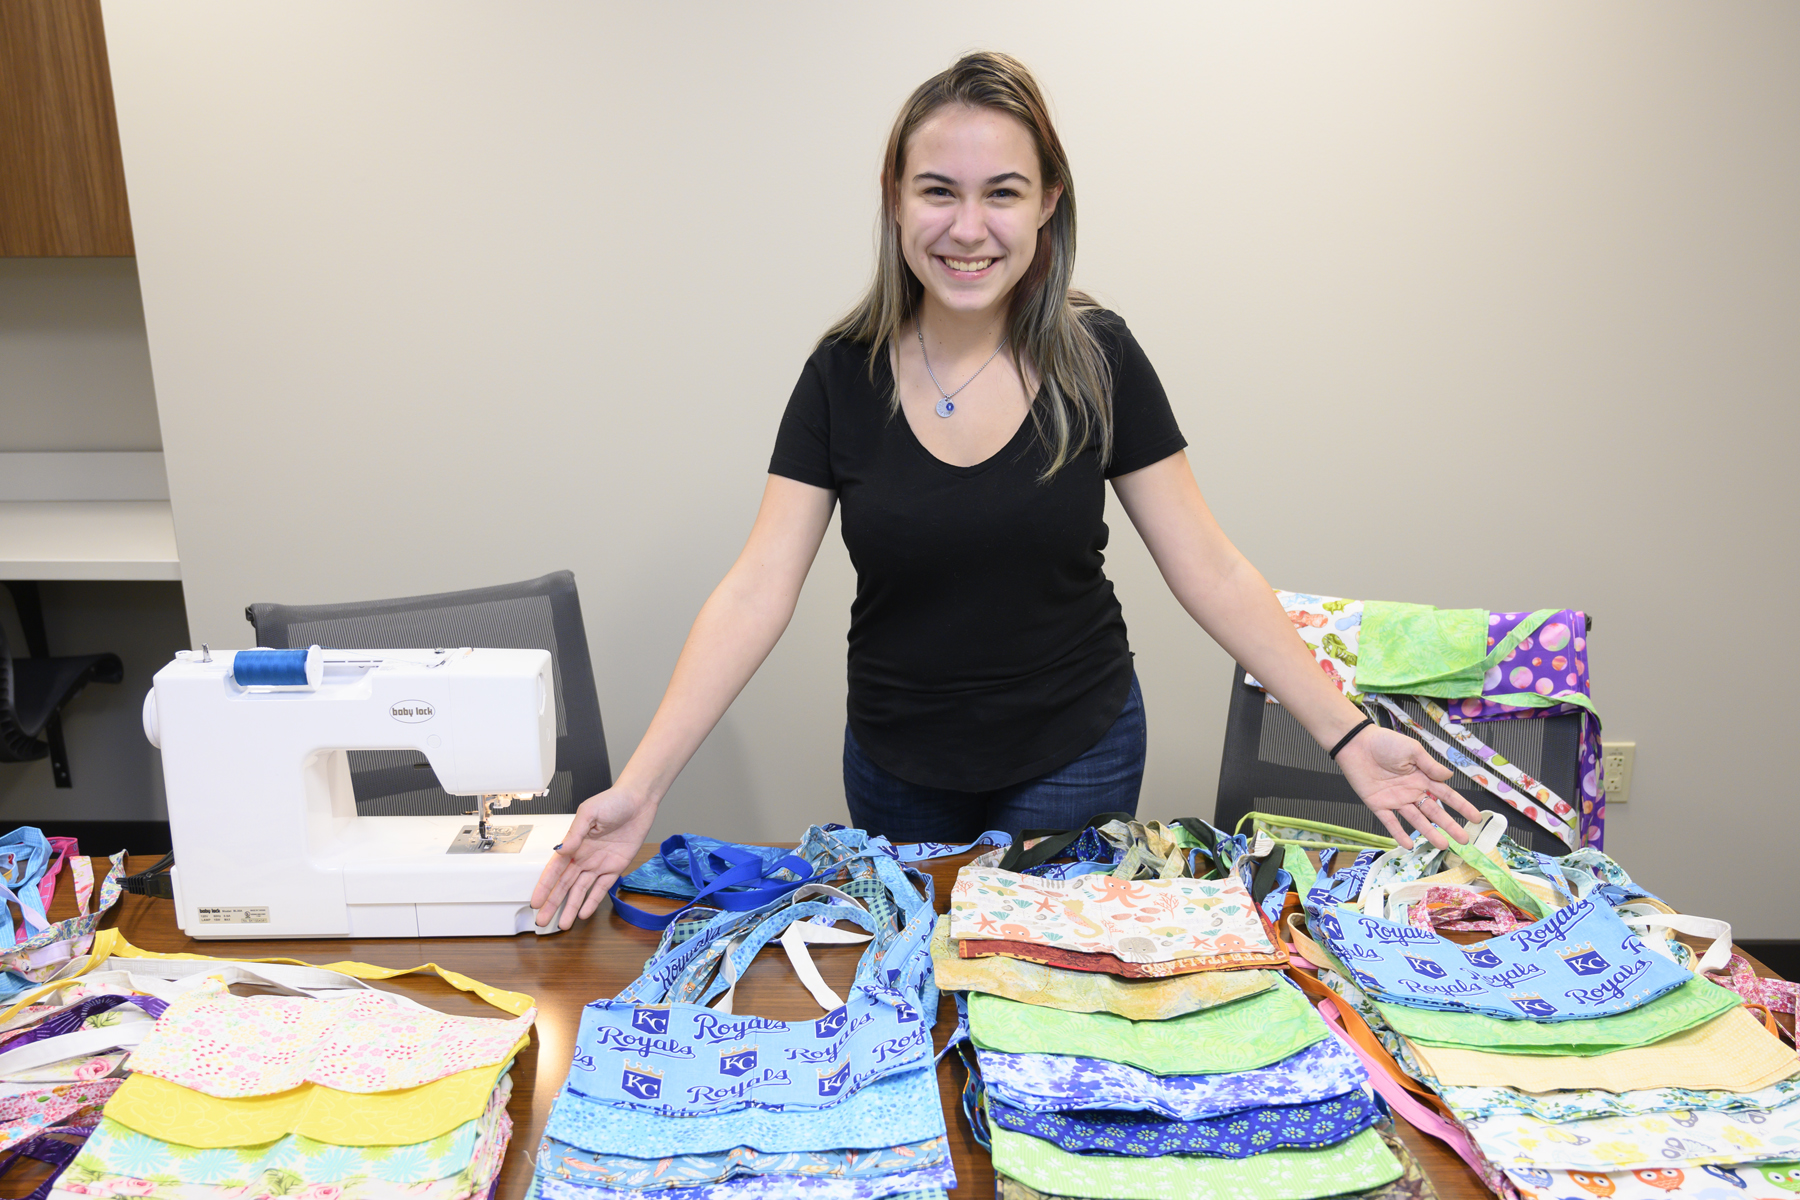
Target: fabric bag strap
pixel 1537 810
pixel 1051 842
pixel 726 877
pixel 83 1043
pixel 111 944
pixel 1717 956
pixel 1426 1119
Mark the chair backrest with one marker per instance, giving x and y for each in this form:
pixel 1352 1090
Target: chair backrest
pixel 543 614
pixel 1271 764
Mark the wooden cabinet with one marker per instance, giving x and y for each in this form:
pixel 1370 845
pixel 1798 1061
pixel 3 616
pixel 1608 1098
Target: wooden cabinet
pixel 62 182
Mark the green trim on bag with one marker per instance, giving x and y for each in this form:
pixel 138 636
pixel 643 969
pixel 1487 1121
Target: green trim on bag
pixel 1501 879
pixel 1332 837
pixel 1693 1003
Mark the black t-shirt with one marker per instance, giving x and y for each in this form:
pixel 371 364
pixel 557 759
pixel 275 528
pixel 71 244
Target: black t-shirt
pixel 986 646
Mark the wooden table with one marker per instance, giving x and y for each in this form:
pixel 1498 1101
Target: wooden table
pixel 596 959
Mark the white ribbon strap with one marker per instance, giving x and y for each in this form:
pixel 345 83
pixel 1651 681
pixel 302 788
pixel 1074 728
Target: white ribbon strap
pixel 189 973
pixel 1717 955
pixel 83 1043
pixel 795 945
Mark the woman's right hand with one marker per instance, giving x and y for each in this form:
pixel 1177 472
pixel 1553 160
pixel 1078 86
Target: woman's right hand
pixel 605 835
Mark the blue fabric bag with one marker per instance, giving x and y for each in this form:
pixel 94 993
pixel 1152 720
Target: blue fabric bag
pixel 656 1047
pixel 1237 1135
pixel 1580 961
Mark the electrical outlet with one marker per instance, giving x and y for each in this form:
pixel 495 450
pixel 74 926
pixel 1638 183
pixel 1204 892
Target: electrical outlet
pixel 1616 762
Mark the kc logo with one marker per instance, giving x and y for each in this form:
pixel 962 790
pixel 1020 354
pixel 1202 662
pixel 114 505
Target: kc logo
pixel 643 1082
pixel 1425 967
pixel 737 1062
pixel 1533 1005
pixel 1329 927
pixel 832 1082
pixel 1481 956
pixel 1583 960
pixel 651 1020
pixel 905 1012
pixel 830 1024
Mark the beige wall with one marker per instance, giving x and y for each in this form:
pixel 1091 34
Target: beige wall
pixel 74 365
pixel 1475 304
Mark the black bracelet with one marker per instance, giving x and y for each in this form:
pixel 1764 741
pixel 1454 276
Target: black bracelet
pixel 1345 740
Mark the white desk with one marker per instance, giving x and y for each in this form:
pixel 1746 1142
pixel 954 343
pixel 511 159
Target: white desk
pixel 85 516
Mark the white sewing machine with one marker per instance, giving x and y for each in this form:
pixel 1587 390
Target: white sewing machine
pixel 267 840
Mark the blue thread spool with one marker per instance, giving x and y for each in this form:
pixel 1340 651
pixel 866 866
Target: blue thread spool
pixel 278 668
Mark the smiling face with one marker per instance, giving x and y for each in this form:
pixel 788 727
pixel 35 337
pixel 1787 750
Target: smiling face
pixel 970 200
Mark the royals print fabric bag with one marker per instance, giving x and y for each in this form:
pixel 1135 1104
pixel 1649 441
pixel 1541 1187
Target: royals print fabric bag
pixel 657 1048
pixel 1581 961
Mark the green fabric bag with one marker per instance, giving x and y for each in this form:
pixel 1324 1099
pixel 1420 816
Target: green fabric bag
pixel 1239 1036
pixel 1355 1165
pixel 1693 1003
pixel 1418 650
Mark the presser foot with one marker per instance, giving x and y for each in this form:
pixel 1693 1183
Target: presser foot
pixel 484 837
pixel 490 839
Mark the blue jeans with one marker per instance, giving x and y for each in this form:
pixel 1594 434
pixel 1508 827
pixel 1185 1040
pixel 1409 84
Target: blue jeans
pixel 1104 779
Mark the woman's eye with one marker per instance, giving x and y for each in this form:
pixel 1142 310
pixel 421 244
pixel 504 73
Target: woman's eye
pixel 937 191
pixel 1005 194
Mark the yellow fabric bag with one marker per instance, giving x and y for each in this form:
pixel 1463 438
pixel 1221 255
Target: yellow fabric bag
pixel 172 1113
pixel 1733 1053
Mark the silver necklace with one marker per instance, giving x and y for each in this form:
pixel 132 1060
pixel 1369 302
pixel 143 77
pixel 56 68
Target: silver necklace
pixel 944 407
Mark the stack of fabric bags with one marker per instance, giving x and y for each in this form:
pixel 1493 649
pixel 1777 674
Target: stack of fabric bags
pixel 46 1107
pixel 1133 1037
pixel 1569 1043
pixel 315 1085
pixel 673 1096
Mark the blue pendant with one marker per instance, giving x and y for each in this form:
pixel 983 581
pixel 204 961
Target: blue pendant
pixel 944 407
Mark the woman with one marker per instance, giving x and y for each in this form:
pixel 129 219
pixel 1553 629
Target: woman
pixel 967 414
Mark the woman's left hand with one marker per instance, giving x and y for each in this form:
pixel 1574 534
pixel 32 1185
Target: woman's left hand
pixel 1396 778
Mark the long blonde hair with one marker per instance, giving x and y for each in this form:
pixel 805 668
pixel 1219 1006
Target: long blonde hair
pixel 1048 325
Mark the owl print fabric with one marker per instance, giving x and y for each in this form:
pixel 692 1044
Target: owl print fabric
pixel 1137 921
pixel 1579 962
pixel 1743 1181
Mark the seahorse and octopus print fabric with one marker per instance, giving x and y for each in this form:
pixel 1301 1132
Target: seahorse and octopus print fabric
pixel 1136 921
pixel 1579 962
pixel 1064 1082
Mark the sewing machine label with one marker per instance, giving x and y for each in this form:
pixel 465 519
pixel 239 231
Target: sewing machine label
pixel 412 711
pixel 258 915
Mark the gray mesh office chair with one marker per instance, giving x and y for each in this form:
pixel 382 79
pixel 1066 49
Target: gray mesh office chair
pixel 543 614
pixel 1272 765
